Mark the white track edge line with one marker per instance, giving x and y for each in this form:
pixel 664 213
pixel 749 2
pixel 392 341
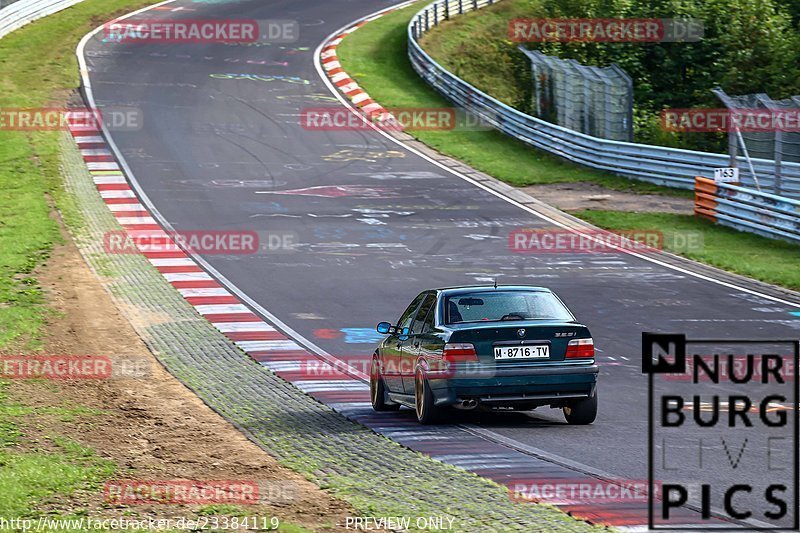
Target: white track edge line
pixel 511 443
pixel 413 150
pixel 232 287
pixel 87 86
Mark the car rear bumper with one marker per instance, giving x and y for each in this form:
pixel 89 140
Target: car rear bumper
pixel 552 384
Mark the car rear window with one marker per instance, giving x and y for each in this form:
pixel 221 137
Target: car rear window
pixel 505 306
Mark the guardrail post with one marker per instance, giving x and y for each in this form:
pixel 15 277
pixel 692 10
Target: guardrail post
pixel 435 14
pixel 474 4
pixel 427 21
pixel 629 125
pixel 778 187
pixel 460 7
pixel 733 148
pixel 447 9
pixel 587 127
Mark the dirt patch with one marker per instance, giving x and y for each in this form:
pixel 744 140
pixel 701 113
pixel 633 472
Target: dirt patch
pixel 152 427
pixel 580 195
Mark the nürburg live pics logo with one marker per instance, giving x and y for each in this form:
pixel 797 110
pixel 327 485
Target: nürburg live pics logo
pixel 722 433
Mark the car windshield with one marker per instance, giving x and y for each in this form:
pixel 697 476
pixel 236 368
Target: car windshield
pixel 505 306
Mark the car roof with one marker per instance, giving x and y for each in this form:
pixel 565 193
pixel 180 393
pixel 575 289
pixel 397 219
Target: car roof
pixel 447 291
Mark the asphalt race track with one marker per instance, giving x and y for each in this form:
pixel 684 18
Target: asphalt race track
pixel 375 223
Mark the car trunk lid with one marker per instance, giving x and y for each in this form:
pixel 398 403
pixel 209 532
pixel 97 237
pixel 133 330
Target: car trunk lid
pixel 486 336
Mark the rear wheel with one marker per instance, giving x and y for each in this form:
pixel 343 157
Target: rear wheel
pixel 377 389
pixel 427 413
pixel 581 412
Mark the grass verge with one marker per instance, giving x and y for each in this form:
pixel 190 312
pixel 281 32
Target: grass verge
pixel 747 254
pixel 376 57
pixel 52 465
pixel 465 45
pixel 37 69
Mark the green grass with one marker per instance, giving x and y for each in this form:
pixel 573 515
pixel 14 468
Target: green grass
pixel 475 48
pixel 37 68
pixel 753 256
pixel 375 56
pixel 27 477
pixel 9 431
pixel 222 509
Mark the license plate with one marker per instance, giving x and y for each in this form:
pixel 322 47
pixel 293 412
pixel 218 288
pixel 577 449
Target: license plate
pixel 522 352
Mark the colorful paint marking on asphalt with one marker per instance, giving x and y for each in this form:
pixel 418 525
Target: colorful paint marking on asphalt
pixel 343 388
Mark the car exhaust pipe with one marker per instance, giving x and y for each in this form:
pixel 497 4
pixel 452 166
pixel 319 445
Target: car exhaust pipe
pixel 467 404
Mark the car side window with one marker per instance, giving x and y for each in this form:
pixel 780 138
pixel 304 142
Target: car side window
pixel 430 319
pixel 408 314
pixel 422 314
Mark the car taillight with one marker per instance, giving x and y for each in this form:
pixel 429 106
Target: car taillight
pixel 580 349
pixel 459 351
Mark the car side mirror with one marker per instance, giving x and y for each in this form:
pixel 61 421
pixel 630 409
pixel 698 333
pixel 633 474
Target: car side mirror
pixel 385 328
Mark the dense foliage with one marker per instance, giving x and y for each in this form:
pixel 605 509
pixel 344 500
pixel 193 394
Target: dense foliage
pixel 749 46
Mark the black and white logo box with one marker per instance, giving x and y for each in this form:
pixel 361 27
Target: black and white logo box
pixel 722 433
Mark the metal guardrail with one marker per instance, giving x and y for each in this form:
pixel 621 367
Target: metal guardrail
pixel 6 3
pixel 21 12
pixel 672 167
pixel 769 215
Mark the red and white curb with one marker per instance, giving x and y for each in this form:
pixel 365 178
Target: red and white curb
pixel 347 394
pixel 347 85
pixel 335 384
pixel 211 300
pixel 339 387
pixel 499 463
